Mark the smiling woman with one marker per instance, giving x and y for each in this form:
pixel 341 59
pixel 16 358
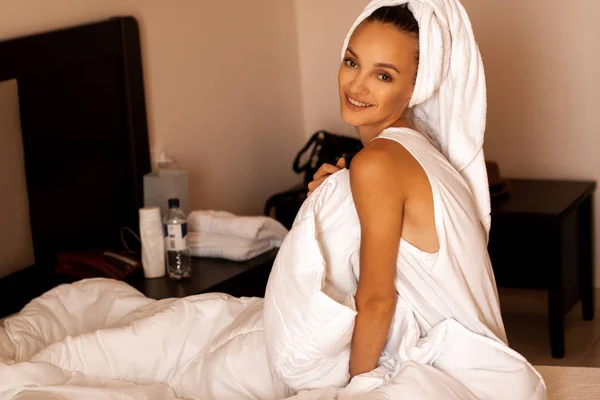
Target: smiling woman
pixel 376 79
pixel 377 76
pixel 421 192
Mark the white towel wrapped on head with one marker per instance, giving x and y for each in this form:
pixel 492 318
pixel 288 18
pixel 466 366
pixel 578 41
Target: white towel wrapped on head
pixel 225 235
pixel 449 101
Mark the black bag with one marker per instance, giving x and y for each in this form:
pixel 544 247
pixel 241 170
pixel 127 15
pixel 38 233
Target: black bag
pixel 285 205
pixel 324 147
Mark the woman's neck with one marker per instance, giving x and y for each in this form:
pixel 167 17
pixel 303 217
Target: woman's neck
pixel 368 133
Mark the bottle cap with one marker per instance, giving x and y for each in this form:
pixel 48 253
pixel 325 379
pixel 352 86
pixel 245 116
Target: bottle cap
pixel 173 203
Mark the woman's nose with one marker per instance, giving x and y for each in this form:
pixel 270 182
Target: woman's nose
pixel 358 86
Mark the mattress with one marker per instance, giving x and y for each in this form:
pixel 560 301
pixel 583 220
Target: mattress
pixel 572 383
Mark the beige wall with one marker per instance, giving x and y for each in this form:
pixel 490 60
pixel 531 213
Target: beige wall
pixel 16 247
pixel 322 27
pixel 222 88
pixel 542 73
pixel 542 67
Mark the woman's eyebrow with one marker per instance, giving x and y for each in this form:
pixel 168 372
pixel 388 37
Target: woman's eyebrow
pixel 380 65
pixel 352 52
pixel 385 65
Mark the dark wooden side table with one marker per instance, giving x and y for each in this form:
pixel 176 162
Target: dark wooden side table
pixel 542 237
pixel 239 279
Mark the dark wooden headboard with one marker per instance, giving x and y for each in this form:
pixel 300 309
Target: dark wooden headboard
pixel 85 141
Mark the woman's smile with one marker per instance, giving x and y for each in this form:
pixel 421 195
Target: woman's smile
pixel 356 105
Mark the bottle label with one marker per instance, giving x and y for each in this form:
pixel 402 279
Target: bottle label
pixel 176 237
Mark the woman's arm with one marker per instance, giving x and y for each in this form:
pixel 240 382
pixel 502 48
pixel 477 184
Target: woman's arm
pixel 379 201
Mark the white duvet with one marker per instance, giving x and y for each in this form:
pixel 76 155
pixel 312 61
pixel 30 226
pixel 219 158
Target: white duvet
pixel 102 339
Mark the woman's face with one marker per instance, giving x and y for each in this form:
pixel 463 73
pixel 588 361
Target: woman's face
pixel 376 78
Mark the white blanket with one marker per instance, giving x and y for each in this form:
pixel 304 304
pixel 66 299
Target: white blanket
pixel 212 346
pixel 102 339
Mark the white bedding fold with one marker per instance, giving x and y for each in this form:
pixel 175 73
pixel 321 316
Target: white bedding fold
pixel 7 350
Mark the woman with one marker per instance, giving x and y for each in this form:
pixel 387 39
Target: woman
pixel 421 235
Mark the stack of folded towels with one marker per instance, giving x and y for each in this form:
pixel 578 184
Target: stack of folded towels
pixel 225 235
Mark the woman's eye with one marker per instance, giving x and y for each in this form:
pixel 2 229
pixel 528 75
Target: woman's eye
pixel 350 63
pixel 385 77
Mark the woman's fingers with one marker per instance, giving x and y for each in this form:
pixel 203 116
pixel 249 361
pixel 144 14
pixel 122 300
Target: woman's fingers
pixel 323 172
pixel 315 184
pixel 325 169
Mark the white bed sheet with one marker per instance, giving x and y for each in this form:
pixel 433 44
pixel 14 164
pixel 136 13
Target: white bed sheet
pixel 6 347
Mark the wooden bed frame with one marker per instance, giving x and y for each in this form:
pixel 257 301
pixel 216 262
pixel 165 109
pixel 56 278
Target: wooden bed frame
pixel 85 141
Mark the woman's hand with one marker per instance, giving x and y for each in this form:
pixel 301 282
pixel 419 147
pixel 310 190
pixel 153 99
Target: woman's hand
pixel 323 173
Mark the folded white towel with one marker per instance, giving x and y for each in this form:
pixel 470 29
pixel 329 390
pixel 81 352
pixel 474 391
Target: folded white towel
pixel 449 101
pixel 225 235
pixel 229 224
pixel 206 244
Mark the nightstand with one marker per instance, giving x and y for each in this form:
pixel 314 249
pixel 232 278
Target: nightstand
pixel 239 279
pixel 542 237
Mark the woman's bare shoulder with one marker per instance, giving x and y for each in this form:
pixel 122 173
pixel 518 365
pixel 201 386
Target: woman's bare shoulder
pixel 388 162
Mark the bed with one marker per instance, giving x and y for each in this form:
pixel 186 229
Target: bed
pixel 82 110
pixel 572 383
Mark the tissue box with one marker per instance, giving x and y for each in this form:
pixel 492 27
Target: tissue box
pixel 164 184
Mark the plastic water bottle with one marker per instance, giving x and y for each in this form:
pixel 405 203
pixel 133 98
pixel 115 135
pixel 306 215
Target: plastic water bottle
pixel 177 252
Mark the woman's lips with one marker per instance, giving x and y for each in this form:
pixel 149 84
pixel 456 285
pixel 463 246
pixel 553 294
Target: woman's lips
pixel 356 105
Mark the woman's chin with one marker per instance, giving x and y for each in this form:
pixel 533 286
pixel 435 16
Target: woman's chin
pixel 351 118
